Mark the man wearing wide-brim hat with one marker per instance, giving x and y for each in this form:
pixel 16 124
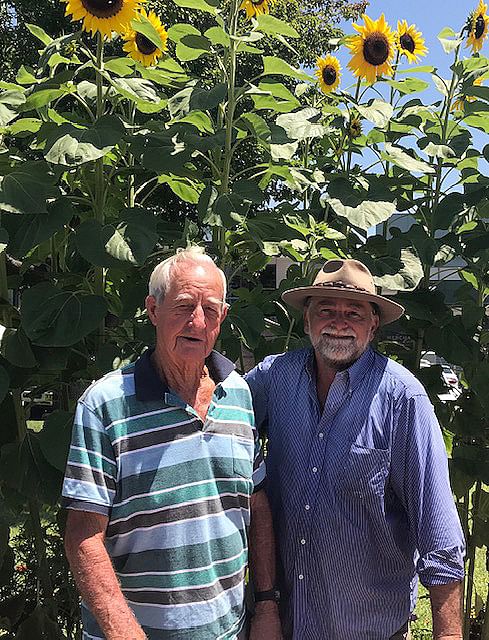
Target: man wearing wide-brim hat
pixel 357 473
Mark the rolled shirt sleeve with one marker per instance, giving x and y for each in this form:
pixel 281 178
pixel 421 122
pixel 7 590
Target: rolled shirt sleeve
pixel 421 480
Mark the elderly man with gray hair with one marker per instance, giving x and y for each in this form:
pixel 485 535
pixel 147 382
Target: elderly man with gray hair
pixel 164 480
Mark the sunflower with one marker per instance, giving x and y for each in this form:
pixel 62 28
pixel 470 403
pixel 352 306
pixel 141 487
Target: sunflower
pixel 410 42
pixel 354 128
pixel 104 16
pixel 459 103
pixel 139 47
pixel 328 73
pixel 256 7
pixel 373 50
pixel 478 25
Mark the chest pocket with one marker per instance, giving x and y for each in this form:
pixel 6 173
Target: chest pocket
pixel 365 471
pixel 243 456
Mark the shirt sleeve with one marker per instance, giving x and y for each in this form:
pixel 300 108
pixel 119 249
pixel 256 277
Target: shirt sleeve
pixel 258 380
pixel 419 472
pixel 259 469
pixel 91 471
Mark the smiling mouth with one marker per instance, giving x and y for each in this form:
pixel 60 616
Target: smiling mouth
pixel 191 338
pixel 331 336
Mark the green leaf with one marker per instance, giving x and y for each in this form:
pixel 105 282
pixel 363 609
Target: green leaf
pixel 181 29
pixel 15 347
pixel 199 119
pixel 402 159
pixel 421 69
pixel 441 84
pixel 200 5
pixel 53 317
pixel 28 231
pixel 184 188
pixel 408 85
pixel 39 33
pixel 408 277
pixel 277 66
pixel 192 47
pixel 206 202
pixel 25 125
pixel 302 125
pixel 439 151
pixel 273 26
pixel 448 39
pixel 142 25
pixel 208 98
pixel 217 35
pixel 248 190
pixel 72 146
pixel 25 190
pixel 231 209
pixel 120 66
pixel 447 210
pixel 257 126
pixel 377 111
pixel 366 215
pixel 54 438
pixel 25 77
pixel 279 98
pixel 6 115
pixel 139 91
pixel 453 343
pixel 479 121
pixel 4 383
pixel 43 97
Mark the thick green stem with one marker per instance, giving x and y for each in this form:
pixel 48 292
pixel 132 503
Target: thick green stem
pixel 131 191
pixel 471 559
pixel 357 93
pixel 99 189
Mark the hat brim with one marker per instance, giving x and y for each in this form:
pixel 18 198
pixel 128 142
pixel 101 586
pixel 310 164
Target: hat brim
pixel 389 310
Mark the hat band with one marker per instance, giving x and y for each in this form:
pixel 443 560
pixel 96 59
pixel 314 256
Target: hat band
pixel 338 284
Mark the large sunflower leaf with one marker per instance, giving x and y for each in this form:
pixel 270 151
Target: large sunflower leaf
pixel 403 160
pixel 303 124
pixel 378 112
pixel 186 189
pixel 145 27
pixel 28 231
pixel 273 26
pixel 201 5
pixel 39 33
pixel 408 277
pixel 408 85
pixel 53 317
pixel 366 215
pixel 448 40
pixel 277 66
pixel 43 97
pixel 275 96
pixel 70 146
pixel 25 190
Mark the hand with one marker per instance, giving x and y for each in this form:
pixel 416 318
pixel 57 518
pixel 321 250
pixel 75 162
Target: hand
pixel 265 623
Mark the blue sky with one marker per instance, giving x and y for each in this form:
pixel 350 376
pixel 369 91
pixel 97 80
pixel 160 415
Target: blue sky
pixel 430 17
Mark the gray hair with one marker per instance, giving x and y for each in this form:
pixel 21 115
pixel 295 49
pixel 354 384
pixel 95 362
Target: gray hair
pixel 160 279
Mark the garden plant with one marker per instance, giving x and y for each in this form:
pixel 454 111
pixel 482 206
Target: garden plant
pixel 262 160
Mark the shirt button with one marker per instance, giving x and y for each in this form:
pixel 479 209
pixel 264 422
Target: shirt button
pixel 307 507
pixel 301 577
pixel 314 469
pixel 303 541
pixel 321 435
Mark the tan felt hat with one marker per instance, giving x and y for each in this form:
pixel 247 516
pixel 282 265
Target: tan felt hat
pixel 345 279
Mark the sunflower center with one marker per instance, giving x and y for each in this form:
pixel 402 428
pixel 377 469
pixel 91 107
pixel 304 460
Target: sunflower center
pixel 407 42
pixel 376 48
pixel 329 75
pixel 479 26
pixel 103 8
pixel 144 45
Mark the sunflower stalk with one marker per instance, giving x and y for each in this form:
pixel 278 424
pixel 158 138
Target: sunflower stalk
pixel 99 188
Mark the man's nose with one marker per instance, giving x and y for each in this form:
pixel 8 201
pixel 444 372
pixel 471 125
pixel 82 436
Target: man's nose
pixel 198 317
pixel 338 318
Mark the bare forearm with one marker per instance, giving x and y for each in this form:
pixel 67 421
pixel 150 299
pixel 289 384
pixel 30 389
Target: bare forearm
pixel 446 608
pixel 95 578
pixel 262 544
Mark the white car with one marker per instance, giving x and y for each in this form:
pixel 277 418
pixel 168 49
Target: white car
pixel 449 378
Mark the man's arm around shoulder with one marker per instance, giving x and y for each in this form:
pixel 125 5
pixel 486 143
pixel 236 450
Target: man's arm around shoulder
pixel 95 576
pixel 265 624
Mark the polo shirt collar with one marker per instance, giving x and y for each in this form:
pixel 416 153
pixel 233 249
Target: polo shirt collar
pixel 149 385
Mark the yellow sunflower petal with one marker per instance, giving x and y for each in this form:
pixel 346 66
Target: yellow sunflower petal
pixel 103 17
pixel 373 50
pixel 478 24
pixel 328 73
pixel 255 8
pixel 140 48
pixel 410 41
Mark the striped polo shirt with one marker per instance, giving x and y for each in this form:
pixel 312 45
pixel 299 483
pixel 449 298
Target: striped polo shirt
pixel 177 493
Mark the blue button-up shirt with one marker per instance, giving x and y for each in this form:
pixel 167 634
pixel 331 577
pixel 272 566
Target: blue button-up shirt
pixel 360 495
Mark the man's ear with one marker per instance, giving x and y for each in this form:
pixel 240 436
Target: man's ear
pixel 375 327
pixel 305 317
pixel 151 305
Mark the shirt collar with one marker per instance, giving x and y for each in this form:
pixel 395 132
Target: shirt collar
pixel 353 374
pixel 149 385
